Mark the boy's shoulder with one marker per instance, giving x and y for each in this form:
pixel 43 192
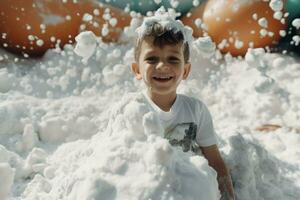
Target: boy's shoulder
pixel 193 102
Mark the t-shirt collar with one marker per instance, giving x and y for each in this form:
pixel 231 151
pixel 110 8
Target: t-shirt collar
pixel 164 115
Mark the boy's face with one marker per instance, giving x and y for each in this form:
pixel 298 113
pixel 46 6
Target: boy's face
pixel 161 68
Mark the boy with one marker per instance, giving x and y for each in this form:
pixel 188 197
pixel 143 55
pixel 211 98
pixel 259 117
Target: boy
pixel 162 61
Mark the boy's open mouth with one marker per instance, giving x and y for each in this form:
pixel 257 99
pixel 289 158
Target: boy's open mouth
pixel 162 78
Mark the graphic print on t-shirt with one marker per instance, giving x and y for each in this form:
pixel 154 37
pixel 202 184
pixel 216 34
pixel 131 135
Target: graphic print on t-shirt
pixel 183 135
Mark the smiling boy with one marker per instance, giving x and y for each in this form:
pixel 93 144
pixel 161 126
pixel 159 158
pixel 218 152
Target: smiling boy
pixel 162 69
pixel 162 62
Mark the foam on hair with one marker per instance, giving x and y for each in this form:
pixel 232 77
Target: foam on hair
pixel 165 30
pixel 167 22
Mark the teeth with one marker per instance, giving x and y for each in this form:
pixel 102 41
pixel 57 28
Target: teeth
pixel 165 77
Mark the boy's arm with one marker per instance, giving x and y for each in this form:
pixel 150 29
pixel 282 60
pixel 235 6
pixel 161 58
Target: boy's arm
pixel 212 154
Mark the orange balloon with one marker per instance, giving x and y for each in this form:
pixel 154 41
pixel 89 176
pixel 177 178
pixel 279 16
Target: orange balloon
pixel 33 26
pixel 191 18
pixel 107 21
pixel 241 24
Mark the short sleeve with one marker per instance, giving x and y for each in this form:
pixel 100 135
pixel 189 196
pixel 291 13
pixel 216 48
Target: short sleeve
pixel 206 135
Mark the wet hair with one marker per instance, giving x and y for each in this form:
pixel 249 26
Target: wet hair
pixel 161 37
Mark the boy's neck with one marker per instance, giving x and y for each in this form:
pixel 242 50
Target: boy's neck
pixel 164 102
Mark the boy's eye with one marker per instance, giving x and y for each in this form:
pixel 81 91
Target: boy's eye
pixel 152 59
pixel 174 60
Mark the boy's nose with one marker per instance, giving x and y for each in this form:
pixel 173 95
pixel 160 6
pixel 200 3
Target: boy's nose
pixel 162 66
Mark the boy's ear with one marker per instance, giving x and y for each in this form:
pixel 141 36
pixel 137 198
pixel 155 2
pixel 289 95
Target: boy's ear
pixel 187 69
pixel 136 70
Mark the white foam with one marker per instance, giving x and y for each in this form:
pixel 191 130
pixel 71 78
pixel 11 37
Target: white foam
pixel 86 45
pixel 205 46
pixel 296 23
pixel 167 20
pixel 7 177
pixel 55 110
pixel 263 22
pixel 276 5
pixel 296 39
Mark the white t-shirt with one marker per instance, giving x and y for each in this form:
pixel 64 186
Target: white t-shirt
pixel 186 113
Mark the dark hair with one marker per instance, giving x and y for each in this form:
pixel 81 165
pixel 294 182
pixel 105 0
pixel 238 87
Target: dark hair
pixel 162 36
